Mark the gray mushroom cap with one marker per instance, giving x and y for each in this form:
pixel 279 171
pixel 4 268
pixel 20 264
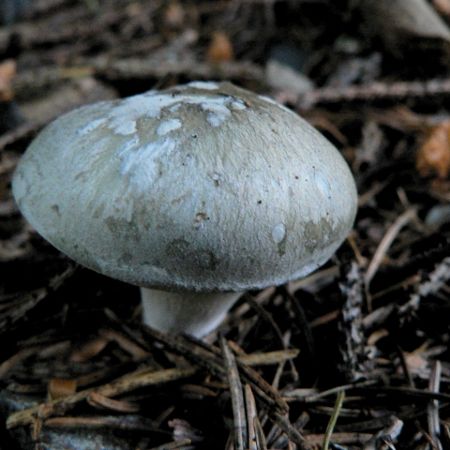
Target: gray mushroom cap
pixel 204 187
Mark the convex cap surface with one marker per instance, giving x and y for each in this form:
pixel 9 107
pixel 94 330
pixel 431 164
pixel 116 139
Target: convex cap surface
pixel 205 187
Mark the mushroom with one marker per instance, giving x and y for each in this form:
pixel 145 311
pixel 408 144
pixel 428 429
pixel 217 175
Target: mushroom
pixel 196 194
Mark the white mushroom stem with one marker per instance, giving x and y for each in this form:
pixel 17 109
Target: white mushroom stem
pixel 193 313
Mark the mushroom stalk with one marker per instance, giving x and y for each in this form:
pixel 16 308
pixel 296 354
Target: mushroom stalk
pixel 193 313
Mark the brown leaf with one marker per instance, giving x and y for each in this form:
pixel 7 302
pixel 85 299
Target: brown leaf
pixel 433 156
pixel 220 48
pixel 60 388
pixel 174 15
pixel 89 350
pixel 7 74
pixel 442 6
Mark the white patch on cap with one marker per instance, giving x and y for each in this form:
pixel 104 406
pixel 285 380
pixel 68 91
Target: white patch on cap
pixel 278 233
pixel 218 109
pixel 268 100
pixel 238 105
pixel 323 185
pixel 175 107
pixel 167 126
pixel 123 116
pixel 126 128
pixel 217 113
pixel 141 164
pixel 207 85
pixel 91 126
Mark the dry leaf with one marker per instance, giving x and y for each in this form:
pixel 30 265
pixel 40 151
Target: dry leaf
pixel 376 336
pixel 220 48
pixel 7 74
pixel 433 156
pixel 60 388
pixel 174 15
pixel 442 6
pixel 89 350
pixel 417 363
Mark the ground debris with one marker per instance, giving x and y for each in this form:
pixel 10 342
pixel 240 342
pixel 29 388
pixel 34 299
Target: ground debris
pixel 370 328
pixel 354 351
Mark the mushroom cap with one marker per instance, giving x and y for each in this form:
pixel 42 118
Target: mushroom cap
pixel 204 187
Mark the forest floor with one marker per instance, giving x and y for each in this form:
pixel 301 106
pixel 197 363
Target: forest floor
pixel 354 356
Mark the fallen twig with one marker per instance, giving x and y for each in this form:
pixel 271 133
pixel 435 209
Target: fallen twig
pixel 374 91
pixel 129 382
pixel 237 397
pixel 333 419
